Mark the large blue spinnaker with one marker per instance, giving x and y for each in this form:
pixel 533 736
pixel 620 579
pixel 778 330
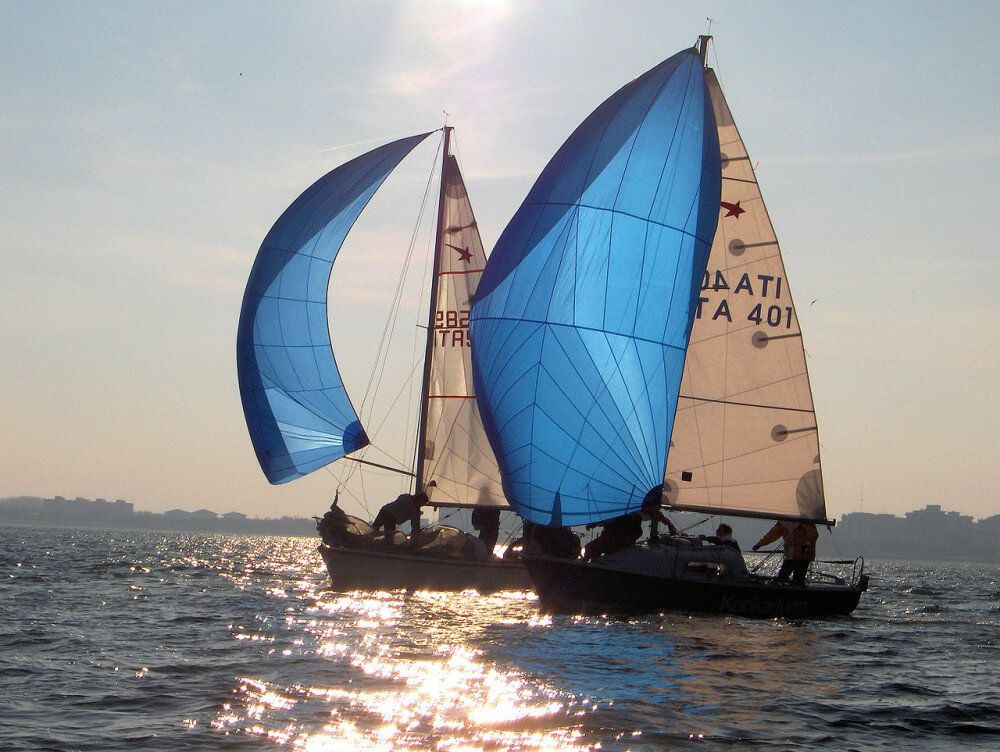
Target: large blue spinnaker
pixel 583 313
pixel 298 413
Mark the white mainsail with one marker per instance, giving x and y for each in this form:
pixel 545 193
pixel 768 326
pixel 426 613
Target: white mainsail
pixel 459 465
pixel 744 438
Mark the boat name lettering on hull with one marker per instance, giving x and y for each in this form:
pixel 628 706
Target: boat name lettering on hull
pixel 753 606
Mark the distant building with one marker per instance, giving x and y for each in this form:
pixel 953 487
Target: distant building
pixel 990 525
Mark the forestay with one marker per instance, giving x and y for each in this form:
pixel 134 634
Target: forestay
pixel 459 466
pixel 582 316
pixel 744 438
pixel 297 411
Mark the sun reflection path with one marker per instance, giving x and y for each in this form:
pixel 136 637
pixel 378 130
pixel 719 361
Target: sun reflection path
pixel 391 671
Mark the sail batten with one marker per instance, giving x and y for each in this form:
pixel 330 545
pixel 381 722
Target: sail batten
pixel 583 313
pixel 298 413
pixel 745 436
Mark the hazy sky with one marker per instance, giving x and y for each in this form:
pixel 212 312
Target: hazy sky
pixel 146 149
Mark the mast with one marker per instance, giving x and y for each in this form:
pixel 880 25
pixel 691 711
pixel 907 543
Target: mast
pixel 428 351
pixel 703 48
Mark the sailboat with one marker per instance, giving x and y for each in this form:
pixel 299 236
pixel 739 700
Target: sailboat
pixel 634 326
pixel 299 415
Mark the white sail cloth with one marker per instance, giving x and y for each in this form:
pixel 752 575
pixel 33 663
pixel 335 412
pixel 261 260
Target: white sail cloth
pixel 459 465
pixel 744 438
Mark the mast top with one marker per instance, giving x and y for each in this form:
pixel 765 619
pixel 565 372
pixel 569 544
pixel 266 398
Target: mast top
pixel 703 48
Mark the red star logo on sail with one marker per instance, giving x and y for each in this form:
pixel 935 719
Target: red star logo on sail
pixel 733 210
pixel 463 253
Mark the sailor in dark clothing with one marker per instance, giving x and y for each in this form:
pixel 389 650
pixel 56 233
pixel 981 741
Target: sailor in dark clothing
pixel 652 510
pixel 333 527
pixel 560 542
pixel 486 519
pixel 723 537
pixel 622 532
pixel 616 534
pixel 405 507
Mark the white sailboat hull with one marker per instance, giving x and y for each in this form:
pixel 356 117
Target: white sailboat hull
pixel 355 569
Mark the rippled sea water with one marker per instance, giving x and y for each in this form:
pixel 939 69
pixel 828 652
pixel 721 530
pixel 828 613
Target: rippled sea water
pixel 152 641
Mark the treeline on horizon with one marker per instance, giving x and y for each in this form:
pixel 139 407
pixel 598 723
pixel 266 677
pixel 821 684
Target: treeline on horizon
pixel 98 514
pixel 930 533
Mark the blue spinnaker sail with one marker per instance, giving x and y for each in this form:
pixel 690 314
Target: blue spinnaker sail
pixel 298 413
pixel 583 313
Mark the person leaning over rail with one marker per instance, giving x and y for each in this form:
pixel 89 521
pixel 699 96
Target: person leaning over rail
pixel 405 507
pixel 625 531
pixel 799 541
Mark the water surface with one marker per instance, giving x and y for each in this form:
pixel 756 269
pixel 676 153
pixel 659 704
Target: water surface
pixel 155 641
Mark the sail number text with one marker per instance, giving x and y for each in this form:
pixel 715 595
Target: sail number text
pixel 746 289
pixel 451 329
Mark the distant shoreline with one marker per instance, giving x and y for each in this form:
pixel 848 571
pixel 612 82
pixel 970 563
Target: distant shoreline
pixel 111 528
pixel 926 535
pixel 100 514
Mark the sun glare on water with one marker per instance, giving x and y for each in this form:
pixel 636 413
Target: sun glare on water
pixel 406 673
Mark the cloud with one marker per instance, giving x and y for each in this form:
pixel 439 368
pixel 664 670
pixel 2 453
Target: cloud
pixel 449 41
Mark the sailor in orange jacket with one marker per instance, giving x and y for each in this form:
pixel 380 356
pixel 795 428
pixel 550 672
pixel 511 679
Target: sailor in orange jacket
pixel 800 548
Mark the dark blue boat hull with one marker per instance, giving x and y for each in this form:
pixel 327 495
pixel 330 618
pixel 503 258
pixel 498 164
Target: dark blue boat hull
pixel 576 587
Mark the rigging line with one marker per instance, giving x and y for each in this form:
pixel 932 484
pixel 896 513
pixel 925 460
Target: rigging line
pixel 718 66
pixel 348 146
pixel 397 295
pixel 382 355
pixel 696 524
pixel 415 353
pixel 364 494
pixel 382 451
pixel 342 486
pixel 381 467
pixel 407 384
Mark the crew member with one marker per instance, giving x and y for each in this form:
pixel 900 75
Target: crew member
pixel 333 527
pixel 405 507
pixel 625 531
pixel 723 537
pixel 800 548
pixel 486 519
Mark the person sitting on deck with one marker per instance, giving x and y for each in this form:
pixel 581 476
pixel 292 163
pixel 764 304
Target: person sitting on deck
pixel 486 519
pixel 723 537
pixel 405 507
pixel 625 531
pixel 800 548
